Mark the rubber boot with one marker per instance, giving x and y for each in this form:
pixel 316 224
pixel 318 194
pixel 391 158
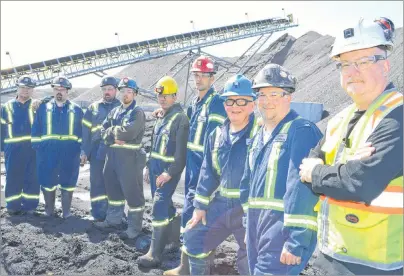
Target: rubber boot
pixel 99 210
pixel 158 242
pixel 49 198
pixel 199 266
pixel 182 269
pixel 66 203
pixel 135 221
pixel 210 259
pixel 114 217
pixel 173 232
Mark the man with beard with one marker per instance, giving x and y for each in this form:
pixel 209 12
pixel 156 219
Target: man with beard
pixel 205 113
pixel 358 166
pixel 17 116
pixel 56 137
pixel 164 168
pixel 218 212
pixel 281 223
pixel 94 149
pixel 122 131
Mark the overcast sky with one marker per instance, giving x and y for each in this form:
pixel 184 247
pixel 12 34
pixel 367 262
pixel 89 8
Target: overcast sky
pixel 35 31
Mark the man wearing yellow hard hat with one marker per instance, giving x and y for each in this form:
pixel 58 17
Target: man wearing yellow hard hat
pixel 358 166
pixel 164 168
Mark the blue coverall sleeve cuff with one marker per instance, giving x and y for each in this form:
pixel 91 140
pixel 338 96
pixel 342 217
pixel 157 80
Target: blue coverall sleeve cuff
pixel 200 205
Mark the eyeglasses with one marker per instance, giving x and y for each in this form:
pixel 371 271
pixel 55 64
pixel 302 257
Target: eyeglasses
pixel 271 96
pixel 238 102
pixel 360 64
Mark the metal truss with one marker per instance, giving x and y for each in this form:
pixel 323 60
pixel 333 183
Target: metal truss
pixel 103 59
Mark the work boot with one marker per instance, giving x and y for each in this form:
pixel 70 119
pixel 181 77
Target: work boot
pixel 158 242
pixel 211 263
pixel 49 198
pixel 199 266
pixel 66 203
pixel 114 217
pixel 173 232
pixel 135 221
pixel 182 269
pixel 14 212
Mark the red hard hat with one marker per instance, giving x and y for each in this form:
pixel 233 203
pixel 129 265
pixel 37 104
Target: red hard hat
pixel 203 64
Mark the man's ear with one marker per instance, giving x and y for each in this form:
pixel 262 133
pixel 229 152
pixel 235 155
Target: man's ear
pixel 386 68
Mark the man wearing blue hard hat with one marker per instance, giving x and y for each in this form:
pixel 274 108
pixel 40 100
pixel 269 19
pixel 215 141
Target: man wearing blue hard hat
pixel 122 131
pixel 281 223
pixel 56 137
pixel 94 149
pixel 218 212
pixel 17 115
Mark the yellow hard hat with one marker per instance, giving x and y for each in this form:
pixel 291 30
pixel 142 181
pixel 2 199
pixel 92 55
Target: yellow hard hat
pixel 166 86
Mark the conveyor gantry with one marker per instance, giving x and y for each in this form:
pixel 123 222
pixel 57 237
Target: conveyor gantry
pixel 103 59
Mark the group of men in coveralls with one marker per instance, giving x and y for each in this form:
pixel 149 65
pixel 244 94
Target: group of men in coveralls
pixel 277 185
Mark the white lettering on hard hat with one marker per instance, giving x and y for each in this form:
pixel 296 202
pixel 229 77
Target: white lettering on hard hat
pixel 209 65
pixel 283 74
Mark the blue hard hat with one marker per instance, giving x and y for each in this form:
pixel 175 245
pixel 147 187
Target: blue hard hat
pixel 26 81
pixel 61 81
pixel 129 83
pixel 238 85
pixel 109 80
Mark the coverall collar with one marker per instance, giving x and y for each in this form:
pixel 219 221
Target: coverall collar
pixel 176 107
pixel 203 100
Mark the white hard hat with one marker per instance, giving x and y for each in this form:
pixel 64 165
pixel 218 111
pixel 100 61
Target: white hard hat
pixel 365 34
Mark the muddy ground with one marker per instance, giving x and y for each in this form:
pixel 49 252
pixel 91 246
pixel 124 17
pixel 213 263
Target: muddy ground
pixel 34 244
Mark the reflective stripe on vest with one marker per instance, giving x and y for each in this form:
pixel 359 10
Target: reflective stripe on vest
pixel 124 146
pixel 370 235
pixel 218 132
pixel 161 155
pixel 10 111
pixel 215 158
pixel 24 195
pixel 269 201
pixel 94 110
pixel 49 135
pixel 197 145
pixel 96 128
pixel 225 192
pixel 99 198
pixel 198 256
pixel 87 123
pixel 160 223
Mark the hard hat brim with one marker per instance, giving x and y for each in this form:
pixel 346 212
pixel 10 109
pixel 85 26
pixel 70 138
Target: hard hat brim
pixel 108 84
pixel 262 85
pixel 231 93
pixel 25 85
pixel 356 47
pixel 199 70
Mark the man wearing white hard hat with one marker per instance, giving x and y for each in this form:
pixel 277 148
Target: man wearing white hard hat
pixel 357 168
